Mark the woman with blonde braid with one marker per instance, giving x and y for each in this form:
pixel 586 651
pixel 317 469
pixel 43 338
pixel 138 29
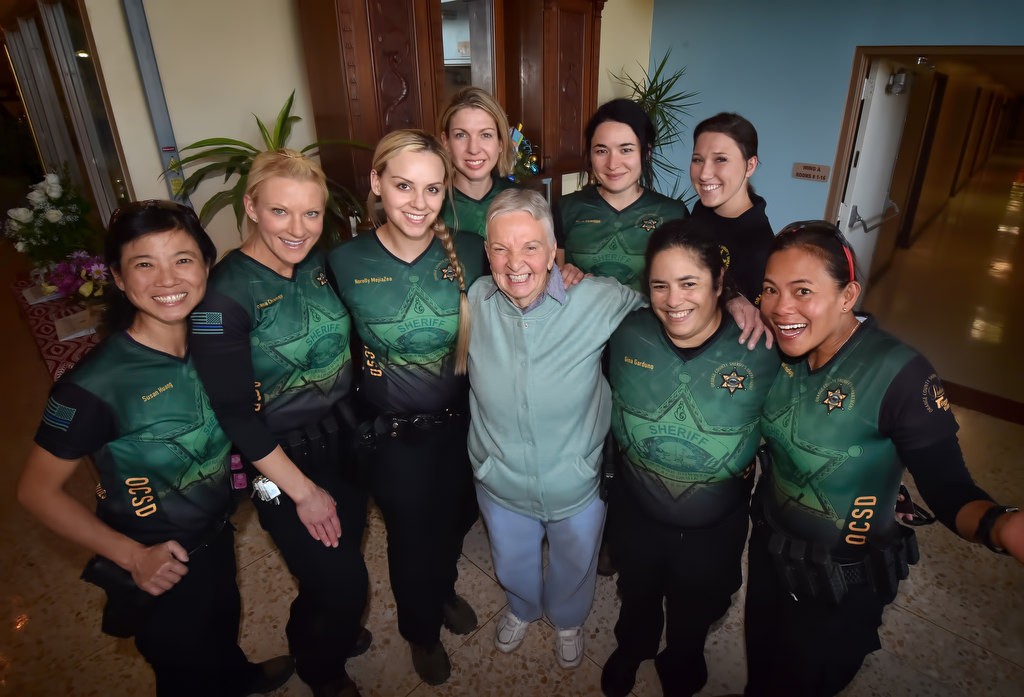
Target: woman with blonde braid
pixel 405 287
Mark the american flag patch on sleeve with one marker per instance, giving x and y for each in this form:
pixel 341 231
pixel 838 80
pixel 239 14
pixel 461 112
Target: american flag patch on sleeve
pixel 58 415
pixel 207 323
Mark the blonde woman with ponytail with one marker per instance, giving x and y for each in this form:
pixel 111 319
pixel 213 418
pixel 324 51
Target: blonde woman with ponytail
pixel 270 342
pixel 405 286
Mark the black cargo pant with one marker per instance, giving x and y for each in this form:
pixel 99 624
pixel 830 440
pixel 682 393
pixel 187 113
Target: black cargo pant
pixel 692 573
pixel 805 647
pixel 190 638
pixel 422 482
pixel 327 614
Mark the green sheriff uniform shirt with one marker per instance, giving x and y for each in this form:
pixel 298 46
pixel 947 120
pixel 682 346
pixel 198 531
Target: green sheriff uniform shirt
pixel 835 434
pixel 161 456
pixel 272 351
pixel 407 315
pixel 605 242
pixel 686 420
pixel 467 214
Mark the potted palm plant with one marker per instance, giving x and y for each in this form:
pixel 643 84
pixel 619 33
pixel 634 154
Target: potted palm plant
pixel 224 157
pixel 658 93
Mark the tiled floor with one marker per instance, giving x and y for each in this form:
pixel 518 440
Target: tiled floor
pixel 956 629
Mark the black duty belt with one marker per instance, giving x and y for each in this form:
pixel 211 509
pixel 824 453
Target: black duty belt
pixel 397 425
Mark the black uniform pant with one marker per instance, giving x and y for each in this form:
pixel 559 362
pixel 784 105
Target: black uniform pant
pixel 327 614
pixel 806 647
pixel 190 638
pixel 682 579
pixel 423 484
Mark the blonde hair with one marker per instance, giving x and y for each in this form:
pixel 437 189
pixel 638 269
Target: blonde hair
pixel 476 98
pixel 287 164
pixel 414 140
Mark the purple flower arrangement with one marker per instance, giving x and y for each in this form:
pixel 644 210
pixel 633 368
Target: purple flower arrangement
pixel 79 273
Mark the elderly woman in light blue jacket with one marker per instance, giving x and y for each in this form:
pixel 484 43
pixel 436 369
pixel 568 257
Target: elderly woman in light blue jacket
pixel 540 411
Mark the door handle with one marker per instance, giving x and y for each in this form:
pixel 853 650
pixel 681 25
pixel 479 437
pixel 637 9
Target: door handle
pixel 884 217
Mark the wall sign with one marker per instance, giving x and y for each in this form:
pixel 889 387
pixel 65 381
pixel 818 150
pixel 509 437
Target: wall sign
pixel 814 173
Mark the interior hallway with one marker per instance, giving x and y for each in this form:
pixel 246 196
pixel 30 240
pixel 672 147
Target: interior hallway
pixel 956 629
pixel 956 293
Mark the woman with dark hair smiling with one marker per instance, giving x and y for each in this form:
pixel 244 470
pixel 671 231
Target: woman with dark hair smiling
pixel 603 229
pixel 851 410
pixel 724 158
pixel 165 549
pixel 686 403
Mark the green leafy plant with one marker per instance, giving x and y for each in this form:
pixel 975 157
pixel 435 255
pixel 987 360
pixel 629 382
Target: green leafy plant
pixel 658 93
pixel 228 156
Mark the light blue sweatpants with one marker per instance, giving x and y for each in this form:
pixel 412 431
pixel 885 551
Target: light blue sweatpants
pixel 567 592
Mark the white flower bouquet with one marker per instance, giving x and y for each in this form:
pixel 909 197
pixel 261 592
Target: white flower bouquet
pixel 53 224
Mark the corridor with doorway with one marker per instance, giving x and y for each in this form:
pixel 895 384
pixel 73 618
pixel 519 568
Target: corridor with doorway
pixel 955 295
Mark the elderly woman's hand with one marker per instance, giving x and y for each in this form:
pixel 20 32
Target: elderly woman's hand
pixel 749 321
pixel 571 275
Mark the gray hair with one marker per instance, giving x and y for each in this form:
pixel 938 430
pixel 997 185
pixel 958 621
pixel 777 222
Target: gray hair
pixel 525 201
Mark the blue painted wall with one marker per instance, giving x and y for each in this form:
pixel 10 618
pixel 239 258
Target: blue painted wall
pixel 786 65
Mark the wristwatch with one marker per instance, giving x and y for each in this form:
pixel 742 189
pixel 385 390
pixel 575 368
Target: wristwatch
pixel 988 519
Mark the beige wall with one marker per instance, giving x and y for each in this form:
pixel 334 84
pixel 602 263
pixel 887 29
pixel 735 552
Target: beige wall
pixel 625 47
pixel 625 44
pixel 220 62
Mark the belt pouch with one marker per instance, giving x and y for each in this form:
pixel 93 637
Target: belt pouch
pixel 128 606
pixel 832 585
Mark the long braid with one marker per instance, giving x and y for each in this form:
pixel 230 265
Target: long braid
pixel 442 233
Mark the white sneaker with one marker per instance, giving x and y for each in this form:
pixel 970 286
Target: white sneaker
pixel 510 632
pixel 569 647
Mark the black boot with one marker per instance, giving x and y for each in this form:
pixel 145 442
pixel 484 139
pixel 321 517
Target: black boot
pixel 271 675
pixel 431 663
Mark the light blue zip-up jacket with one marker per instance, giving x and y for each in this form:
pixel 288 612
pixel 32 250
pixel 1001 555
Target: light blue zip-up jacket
pixel 540 406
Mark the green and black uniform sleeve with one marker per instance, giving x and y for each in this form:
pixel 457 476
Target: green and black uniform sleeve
pixel 837 436
pixel 161 455
pixel 273 352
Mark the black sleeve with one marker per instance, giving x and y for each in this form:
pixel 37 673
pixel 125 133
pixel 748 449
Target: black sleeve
pixel 556 217
pixel 75 422
pixel 915 412
pixel 759 260
pixel 942 478
pixel 222 354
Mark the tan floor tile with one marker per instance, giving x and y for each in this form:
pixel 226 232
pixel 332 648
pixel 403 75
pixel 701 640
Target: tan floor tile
pixel 252 542
pixel 479 669
pixel 267 591
pixel 985 607
pixel 885 674
pixel 42 639
pixel 117 671
pixel 477 548
pixel 948 658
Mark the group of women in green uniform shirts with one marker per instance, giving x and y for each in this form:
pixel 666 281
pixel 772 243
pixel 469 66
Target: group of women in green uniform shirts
pixel 340 375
